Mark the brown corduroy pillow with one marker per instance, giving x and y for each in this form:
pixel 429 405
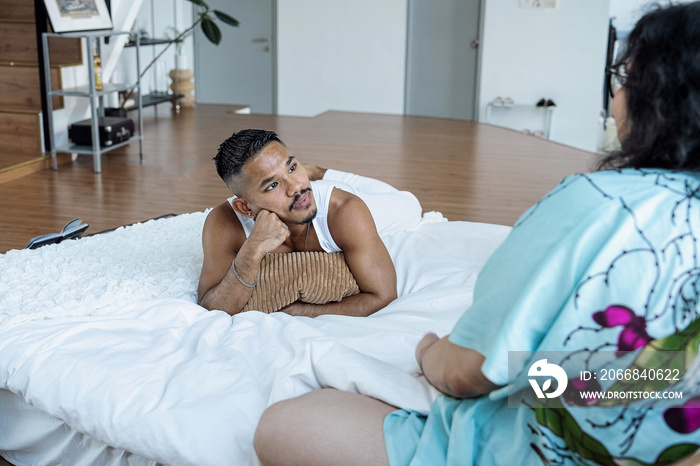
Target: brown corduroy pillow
pixel 311 277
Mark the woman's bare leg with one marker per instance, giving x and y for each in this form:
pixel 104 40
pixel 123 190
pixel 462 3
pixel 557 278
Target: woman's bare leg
pixel 324 427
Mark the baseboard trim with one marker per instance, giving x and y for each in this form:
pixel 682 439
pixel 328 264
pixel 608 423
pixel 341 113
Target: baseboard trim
pixel 23 169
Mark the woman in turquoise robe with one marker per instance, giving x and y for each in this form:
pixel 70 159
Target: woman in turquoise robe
pixel 601 279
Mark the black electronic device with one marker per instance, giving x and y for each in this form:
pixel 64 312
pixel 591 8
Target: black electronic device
pixel 112 130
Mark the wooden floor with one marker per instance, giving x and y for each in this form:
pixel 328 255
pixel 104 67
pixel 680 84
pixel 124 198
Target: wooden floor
pixel 466 170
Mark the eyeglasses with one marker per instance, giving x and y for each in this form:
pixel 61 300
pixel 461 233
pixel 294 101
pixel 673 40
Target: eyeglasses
pixel 617 78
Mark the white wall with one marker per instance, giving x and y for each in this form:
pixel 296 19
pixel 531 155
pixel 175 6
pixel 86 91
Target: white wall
pixel 556 53
pixel 347 55
pixel 627 12
pixel 74 109
pixel 351 56
pixel 165 12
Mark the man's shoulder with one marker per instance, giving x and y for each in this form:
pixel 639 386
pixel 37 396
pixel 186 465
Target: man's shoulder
pixel 325 187
pixel 221 214
pixel 222 225
pixel 344 202
pixel 348 215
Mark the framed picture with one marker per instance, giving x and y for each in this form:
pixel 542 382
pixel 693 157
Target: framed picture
pixel 78 15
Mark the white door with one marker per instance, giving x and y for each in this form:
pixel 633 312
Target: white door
pixel 240 70
pixel 442 58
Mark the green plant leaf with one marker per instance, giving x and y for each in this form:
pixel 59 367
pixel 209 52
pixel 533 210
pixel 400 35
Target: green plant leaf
pixel 676 452
pixel 230 20
pixel 199 3
pixel 551 414
pixel 211 30
pixel 674 353
pixel 684 340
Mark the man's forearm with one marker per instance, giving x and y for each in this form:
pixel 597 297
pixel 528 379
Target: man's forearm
pixel 359 305
pixel 231 295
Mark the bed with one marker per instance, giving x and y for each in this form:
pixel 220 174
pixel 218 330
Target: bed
pixel 105 357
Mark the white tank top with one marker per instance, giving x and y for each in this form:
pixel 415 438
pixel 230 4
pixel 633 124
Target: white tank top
pixel 322 191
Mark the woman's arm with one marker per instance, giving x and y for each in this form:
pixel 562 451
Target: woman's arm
pixel 452 369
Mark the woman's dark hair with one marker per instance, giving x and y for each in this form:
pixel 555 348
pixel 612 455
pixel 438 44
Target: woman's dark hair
pixel 662 88
pixel 235 151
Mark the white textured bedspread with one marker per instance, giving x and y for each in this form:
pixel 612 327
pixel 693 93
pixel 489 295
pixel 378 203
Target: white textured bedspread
pixel 104 334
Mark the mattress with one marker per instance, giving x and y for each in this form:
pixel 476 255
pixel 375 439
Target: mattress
pixel 105 357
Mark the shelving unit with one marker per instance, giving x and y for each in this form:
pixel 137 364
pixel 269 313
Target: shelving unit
pixel 154 98
pixel 549 115
pixel 95 96
pixel 144 42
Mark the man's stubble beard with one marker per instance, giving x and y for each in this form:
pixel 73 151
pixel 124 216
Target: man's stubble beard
pixel 309 218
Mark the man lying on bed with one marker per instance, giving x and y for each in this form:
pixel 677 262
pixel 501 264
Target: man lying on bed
pixel 278 209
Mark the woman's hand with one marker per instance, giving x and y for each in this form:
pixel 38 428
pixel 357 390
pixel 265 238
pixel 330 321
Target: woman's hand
pixel 427 341
pixel 452 369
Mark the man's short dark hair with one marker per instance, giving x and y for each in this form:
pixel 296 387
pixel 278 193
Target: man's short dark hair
pixel 235 151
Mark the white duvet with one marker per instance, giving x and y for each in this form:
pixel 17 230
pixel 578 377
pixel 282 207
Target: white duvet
pixel 104 335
